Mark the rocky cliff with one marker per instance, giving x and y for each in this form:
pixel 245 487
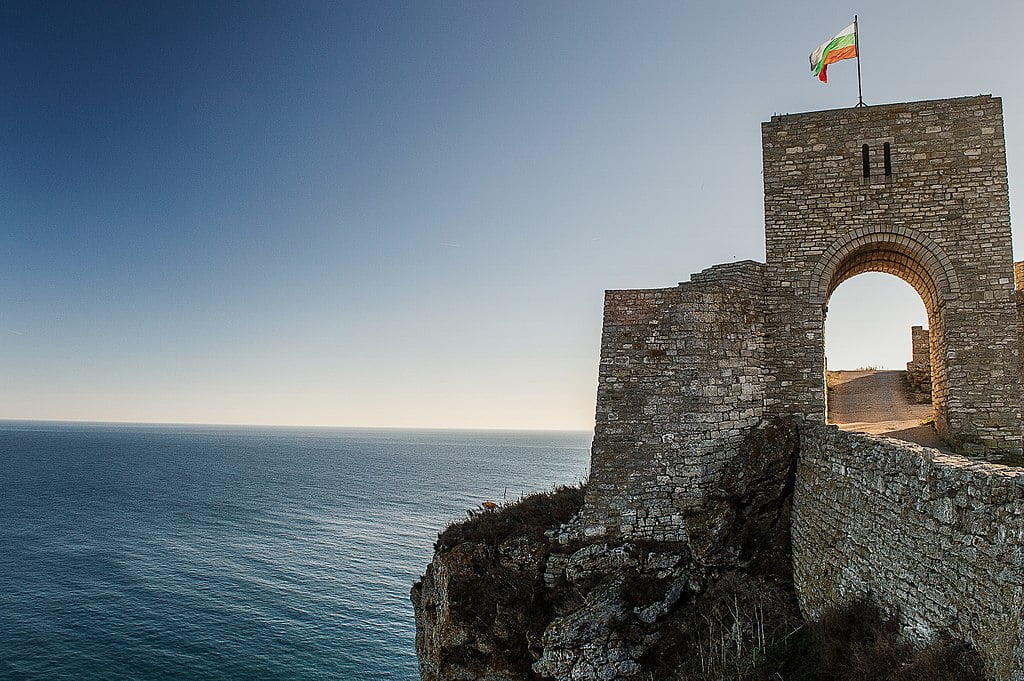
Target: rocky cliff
pixel 520 593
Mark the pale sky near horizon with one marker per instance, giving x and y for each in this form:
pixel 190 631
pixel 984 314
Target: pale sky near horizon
pixel 405 214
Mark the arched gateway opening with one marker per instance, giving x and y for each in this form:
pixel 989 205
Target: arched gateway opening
pixel 877 360
pixel 915 259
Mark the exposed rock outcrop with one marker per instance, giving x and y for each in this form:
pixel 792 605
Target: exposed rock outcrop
pixel 481 607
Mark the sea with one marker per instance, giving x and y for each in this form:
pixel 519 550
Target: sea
pixel 215 552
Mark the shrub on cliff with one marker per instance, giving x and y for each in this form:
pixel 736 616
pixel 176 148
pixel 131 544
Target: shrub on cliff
pixel 745 629
pixel 530 516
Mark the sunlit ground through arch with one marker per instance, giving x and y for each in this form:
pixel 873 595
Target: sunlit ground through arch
pixel 868 322
pixel 867 326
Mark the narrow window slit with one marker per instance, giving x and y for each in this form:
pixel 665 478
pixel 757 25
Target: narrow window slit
pixel 866 160
pixel 886 151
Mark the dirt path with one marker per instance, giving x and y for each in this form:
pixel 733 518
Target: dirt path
pixel 876 402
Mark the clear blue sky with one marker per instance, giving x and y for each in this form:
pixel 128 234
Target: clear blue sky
pixel 385 214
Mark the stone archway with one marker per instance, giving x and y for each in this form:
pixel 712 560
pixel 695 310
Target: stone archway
pixel 912 257
pixel 902 252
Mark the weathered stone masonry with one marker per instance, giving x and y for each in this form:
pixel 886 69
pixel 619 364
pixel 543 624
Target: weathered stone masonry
pixel 917 190
pixel 935 537
pixel 680 385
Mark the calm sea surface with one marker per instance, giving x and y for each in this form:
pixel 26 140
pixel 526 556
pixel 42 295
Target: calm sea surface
pixel 170 552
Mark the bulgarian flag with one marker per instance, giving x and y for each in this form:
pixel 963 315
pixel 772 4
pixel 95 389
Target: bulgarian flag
pixel 843 46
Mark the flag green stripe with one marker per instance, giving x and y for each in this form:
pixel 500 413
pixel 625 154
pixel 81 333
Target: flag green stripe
pixel 841 41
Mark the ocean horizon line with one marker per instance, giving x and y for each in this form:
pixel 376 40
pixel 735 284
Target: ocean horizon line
pixel 91 422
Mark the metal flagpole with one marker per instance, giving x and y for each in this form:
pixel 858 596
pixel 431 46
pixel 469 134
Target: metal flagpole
pixel 856 45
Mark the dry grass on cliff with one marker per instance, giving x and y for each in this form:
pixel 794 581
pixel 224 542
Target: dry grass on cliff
pixel 746 641
pixel 734 630
pixel 530 516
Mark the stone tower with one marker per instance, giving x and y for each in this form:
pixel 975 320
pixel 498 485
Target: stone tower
pixel 916 190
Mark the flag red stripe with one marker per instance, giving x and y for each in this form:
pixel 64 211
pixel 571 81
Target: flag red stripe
pixel 834 56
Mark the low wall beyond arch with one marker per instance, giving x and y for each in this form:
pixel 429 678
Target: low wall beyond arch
pixel 935 537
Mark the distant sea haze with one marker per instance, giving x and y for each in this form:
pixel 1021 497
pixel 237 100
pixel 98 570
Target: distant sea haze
pixel 170 552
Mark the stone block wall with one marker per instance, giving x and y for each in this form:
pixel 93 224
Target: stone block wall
pixel 931 206
pixel 937 538
pixel 1018 282
pixel 680 385
pixel 919 368
pixel 917 190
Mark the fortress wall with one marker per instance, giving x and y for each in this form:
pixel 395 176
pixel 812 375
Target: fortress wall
pixel 680 384
pixel 935 537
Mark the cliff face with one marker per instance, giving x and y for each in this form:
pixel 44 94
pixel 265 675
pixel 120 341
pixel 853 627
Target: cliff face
pixel 474 610
pixel 482 605
pixel 519 593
